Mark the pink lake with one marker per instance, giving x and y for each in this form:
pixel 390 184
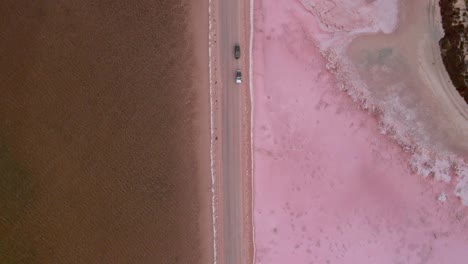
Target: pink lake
pixel 328 186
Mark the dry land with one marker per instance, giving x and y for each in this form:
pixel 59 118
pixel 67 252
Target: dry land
pixel 453 45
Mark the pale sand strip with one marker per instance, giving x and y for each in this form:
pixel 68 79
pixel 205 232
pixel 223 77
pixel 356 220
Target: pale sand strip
pixel 251 29
pixel 215 131
pixel 211 21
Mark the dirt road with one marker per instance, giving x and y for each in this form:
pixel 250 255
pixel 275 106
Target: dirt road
pixel 229 33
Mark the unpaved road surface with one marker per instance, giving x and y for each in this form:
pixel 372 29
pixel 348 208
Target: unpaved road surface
pixel 229 33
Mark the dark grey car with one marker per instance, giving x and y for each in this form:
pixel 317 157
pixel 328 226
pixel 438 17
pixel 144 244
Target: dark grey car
pixel 237 51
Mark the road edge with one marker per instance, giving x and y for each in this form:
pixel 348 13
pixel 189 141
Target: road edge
pixel 251 87
pixel 247 140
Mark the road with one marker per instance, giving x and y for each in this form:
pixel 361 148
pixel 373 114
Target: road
pixel 229 33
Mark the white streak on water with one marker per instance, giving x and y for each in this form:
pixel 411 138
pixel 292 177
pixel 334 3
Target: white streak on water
pixel 212 137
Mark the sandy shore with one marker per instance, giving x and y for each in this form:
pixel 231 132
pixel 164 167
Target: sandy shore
pixel 329 187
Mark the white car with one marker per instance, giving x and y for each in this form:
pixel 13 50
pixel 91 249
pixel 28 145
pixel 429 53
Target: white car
pixel 238 77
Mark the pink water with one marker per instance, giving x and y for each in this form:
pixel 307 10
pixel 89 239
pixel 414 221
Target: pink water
pixel 328 186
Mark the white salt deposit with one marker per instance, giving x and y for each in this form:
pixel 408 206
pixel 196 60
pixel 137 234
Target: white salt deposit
pixel 390 63
pixel 461 190
pixel 442 198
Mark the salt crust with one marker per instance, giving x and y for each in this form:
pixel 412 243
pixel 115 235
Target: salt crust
pixel 359 17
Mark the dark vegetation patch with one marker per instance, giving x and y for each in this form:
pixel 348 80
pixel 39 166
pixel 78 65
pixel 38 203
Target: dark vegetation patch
pixel 453 45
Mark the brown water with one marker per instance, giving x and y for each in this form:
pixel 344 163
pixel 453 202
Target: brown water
pixel 100 157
